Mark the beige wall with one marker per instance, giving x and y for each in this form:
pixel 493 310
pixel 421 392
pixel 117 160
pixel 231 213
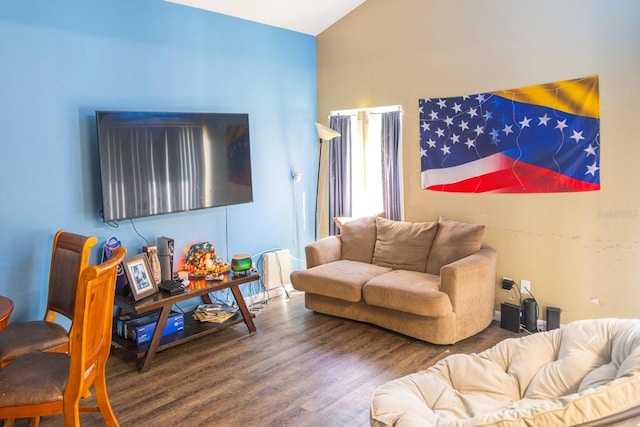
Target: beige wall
pixel 573 247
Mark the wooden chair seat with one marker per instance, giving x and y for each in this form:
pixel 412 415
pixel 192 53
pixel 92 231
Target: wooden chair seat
pixel 34 379
pixel 27 337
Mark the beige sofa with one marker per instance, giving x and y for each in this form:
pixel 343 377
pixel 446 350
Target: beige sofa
pixel 586 374
pixel 429 280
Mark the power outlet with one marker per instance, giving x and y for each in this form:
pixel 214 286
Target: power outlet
pixel 542 325
pixel 525 286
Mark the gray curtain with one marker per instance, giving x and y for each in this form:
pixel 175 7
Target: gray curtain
pixel 391 131
pixel 339 171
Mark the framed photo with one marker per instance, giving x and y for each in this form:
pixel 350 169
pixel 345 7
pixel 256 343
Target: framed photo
pixel 139 275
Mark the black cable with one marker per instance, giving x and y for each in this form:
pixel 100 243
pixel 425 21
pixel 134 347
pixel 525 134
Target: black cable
pixel 136 230
pixel 519 294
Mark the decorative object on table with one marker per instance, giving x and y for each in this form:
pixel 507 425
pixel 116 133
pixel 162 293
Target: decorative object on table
pixel 122 283
pixel 154 262
pixel 202 261
pixel 140 278
pixel 216 313
pixel 241 264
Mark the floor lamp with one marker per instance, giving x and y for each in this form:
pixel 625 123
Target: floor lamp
pixel 325 133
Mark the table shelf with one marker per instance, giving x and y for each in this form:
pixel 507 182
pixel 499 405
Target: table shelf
pixel 193 328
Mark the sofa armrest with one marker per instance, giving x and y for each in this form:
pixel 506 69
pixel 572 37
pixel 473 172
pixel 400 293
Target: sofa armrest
pixel 471 285
pixel 327 249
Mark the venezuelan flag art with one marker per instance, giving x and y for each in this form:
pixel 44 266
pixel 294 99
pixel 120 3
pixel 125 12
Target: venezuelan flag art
pixel 535 139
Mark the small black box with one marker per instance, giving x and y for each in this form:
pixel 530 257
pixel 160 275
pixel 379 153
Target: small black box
pixel 553 318
pixel 510 317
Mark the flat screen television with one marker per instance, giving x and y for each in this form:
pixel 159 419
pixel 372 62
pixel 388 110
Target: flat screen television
pixel 154 163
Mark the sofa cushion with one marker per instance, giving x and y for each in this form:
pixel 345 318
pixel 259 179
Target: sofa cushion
pixel 358 239
pixel 408 291
pixel 342 279
pixel 403 245
pixel 454 240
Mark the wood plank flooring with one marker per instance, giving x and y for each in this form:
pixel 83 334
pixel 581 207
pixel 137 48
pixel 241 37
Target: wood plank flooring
pixel 298 369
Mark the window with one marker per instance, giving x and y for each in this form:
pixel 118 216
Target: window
pixel 368 183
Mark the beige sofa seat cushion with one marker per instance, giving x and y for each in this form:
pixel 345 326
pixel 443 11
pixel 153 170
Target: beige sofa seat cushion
pixel 588 370
pixel 454 240
pixel 403 245
pixel 358 239
pixel 341 279
pixel 408 291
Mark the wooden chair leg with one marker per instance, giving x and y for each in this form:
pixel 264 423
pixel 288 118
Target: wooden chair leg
pixel 102 399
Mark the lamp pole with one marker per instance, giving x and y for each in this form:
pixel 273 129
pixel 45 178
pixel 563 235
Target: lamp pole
pixel 325 133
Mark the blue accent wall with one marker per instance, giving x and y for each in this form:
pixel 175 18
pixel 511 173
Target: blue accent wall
pixel 62 60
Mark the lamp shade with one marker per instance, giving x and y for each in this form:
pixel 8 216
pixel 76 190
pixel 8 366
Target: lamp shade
pixel 325 133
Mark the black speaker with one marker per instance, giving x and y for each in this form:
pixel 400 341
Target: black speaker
pixel 165 254
pixel 553 318
pixel 510 317
pixel 530 314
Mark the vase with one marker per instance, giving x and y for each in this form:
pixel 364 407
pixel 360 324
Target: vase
pixel 154 263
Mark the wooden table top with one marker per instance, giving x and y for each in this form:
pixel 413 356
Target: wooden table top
pixel 6 307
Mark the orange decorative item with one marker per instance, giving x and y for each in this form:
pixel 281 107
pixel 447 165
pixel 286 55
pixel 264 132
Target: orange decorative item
pixel 202 261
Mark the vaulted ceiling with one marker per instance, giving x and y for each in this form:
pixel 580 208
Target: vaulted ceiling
pixel 304 16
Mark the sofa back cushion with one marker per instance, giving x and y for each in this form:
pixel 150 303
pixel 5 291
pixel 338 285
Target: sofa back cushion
pixel 454 240
pixel 358 239
pixel 403 245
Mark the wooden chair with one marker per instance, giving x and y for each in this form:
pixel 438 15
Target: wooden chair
pixel 70 255
pixel 46 383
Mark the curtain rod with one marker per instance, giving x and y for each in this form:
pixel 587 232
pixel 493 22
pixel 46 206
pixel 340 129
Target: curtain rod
pixel 385 109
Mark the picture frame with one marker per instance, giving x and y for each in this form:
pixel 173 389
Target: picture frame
pixel 139 275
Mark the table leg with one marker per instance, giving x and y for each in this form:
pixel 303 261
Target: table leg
pixel 145 364
pixel 248 319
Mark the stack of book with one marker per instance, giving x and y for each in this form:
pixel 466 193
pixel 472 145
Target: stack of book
pixel 216 313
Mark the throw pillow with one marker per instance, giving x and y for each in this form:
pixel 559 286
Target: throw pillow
pixel 454 240
pixel 358 239
pixel 403 245
pixel 342 220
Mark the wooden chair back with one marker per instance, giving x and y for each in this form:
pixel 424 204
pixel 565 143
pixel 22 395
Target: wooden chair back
pixel 70 256
pixel 90 335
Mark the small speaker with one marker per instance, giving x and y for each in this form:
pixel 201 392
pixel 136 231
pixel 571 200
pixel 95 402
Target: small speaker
pixel 530 314
pixel 510 317
pixel 553 318
pixel 165 255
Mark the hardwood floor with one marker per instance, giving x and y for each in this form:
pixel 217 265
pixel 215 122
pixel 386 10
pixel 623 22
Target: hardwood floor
pixel 298 369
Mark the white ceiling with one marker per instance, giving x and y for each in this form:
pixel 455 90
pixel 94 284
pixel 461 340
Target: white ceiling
pixel 304 16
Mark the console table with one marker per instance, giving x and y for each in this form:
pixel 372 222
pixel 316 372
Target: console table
pixel 193 328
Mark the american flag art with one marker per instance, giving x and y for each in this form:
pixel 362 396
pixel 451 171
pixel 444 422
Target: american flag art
pixel 535 139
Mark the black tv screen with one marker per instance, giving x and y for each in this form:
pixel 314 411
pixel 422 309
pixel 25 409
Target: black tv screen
pixel 157 163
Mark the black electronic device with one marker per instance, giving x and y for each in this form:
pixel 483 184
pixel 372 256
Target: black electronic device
pixel 154 163
pixel 553 318
pixel 510 317
pixel 507 283
pixel 166 247
pixel 172 287
pixel 530 314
